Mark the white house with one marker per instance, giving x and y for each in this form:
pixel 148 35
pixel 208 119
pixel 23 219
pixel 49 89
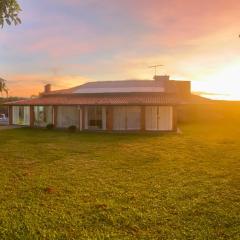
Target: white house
pixel 129 105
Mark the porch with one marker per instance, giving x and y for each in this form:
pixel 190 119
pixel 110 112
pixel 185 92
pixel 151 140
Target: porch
pixel 96 118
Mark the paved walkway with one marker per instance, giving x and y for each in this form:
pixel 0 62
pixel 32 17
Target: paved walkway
pixel 5 127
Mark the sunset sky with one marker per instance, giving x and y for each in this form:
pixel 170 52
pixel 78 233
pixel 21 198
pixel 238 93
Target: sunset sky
pixel 69 42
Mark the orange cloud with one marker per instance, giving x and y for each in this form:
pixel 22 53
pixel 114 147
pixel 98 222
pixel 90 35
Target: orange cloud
pixel 107 40
pixel 32 84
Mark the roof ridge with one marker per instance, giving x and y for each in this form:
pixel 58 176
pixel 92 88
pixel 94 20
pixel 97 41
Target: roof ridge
pixel 123 80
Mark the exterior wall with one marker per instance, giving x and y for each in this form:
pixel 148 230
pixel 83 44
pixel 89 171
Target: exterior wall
pixel 159 118
pixel 67 116
pixel 21 115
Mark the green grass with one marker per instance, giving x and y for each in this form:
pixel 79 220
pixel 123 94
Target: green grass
pixel 60 185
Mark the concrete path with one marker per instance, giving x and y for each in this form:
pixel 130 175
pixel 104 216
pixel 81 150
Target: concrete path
pixel 5 127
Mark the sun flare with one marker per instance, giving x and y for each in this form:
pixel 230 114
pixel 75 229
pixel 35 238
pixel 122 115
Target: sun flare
pixel 224 84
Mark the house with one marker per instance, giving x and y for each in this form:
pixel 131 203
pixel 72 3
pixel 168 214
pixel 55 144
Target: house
pixel 129 105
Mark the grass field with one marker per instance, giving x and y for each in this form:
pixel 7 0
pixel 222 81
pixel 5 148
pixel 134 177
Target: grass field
pixel 60 185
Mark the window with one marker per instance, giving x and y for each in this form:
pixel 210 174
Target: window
pixel 133 115
pixel 127 118
pixel 21 115
pixel 159 118
pixel 67 116
pixel 42 115
pixel 95 118
pixel 119 118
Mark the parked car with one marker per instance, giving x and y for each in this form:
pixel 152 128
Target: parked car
pixel 3 119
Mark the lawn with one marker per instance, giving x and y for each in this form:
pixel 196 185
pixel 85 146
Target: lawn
pixel 60 185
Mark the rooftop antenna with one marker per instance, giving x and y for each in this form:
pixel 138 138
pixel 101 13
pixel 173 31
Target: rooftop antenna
pixel 155 68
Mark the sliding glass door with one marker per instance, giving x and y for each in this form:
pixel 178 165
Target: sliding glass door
pixel 95 118
pixel 126 118
pixel 21 115
pixel 43 116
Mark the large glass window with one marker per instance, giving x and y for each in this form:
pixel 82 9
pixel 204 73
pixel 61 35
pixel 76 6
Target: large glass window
pixel 95 118
pixel 42 116
pixel 127 118
pixel 159 118
pixel 67 116
pixel 21 115
pixel 119 118
pixel 133 118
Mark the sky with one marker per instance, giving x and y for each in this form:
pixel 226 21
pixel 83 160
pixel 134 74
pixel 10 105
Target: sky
pixel 69 42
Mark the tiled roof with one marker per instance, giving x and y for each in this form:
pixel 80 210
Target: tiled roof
pixel 128 99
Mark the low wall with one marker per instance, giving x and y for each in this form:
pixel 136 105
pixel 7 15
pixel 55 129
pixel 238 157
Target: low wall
pixel 222 111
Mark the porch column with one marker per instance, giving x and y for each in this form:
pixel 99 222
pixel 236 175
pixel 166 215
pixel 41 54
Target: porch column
pixel 80 118
pixel 32 116
pixel 55 115
pixel 143 118
pixel 109 118
pixel 174 118
pixel 10 115
pixel 83 117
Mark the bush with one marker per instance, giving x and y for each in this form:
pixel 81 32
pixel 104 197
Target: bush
pixel 72 128
pixel 50 126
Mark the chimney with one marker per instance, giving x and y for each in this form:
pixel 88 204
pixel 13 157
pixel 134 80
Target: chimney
pixel 161 78
pixel 47 88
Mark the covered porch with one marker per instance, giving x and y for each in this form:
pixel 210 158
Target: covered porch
pixel 96 117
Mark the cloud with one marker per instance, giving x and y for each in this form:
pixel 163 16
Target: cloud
pixel 62 40
pixel 32 84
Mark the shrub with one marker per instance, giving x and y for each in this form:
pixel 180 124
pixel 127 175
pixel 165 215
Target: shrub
pixel 50 126
pixel 72 128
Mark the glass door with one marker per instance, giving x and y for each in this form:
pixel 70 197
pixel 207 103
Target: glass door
pixel 95 118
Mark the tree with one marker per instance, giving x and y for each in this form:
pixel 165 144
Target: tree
pixel 3 87
pixel 9 10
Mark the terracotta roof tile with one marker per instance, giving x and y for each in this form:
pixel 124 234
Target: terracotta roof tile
pixel 101 100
